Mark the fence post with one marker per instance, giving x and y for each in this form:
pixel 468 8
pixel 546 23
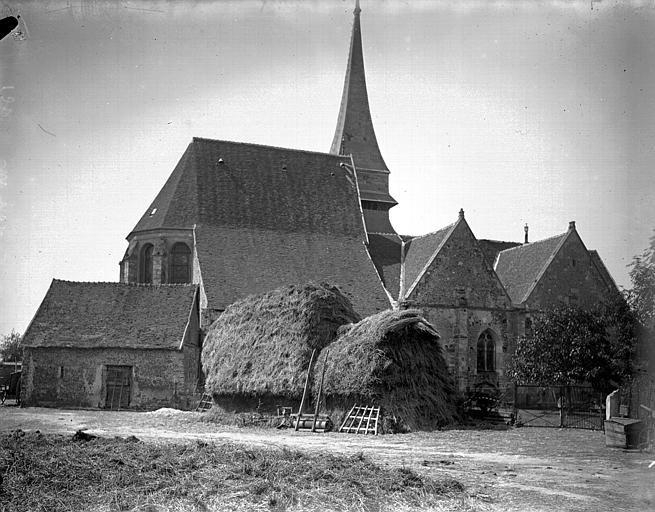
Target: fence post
pixel 514 395
pixel 561 404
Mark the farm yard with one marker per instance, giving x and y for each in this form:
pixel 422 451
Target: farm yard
pixel 457 469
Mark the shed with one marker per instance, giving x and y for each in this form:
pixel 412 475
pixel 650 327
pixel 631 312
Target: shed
pixel 113 345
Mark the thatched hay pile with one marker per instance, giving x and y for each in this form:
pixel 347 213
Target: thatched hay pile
pixel 259 350
pixel 394 360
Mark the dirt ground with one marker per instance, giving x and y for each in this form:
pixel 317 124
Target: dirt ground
pixel 522 469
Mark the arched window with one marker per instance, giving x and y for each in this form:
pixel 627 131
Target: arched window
pixel 145 275
pixel 180 263
pixel 486 352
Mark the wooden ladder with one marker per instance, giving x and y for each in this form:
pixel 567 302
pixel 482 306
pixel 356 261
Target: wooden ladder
pixel 206 403
pixel 361 420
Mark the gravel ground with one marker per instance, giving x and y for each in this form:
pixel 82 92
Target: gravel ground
pixel 523 469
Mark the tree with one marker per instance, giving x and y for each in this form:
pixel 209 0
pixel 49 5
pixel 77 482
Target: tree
pixel 642 300
pixel 642 295
pixel 572 345
pixel 10 347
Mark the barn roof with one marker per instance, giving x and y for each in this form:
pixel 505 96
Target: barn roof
pixel 521 267
pixel 111 315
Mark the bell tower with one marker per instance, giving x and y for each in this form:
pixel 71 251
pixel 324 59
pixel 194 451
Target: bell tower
pixel 355 136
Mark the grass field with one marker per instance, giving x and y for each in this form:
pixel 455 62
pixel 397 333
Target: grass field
pixel 54 472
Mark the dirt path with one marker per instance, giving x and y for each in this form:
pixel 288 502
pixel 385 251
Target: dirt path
pixel 516 470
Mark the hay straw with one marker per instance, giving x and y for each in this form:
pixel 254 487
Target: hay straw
pixel 261 345
pixel 393 360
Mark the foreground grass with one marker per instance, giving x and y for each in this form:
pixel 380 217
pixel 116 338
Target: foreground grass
pixel 42 473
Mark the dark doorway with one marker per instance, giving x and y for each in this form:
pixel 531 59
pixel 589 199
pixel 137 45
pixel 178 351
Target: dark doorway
pixel 118 385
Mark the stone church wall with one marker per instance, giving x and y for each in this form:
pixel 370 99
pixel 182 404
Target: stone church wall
pixel 67 377
pixel 571 278
pixel 460 329
pixel 462 297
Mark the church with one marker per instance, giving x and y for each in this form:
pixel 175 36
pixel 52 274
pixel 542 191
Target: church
pixel 235 219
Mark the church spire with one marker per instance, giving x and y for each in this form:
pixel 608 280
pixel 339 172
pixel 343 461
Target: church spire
pixel 354 134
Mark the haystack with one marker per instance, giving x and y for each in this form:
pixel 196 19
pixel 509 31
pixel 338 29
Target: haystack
pixel 393 360
pixel 258 352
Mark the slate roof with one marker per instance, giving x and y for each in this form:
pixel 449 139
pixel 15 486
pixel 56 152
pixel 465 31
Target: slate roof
pixel 491 248
pixel 235 263
pixel 386 252
pixel 519 268
pixel 354 134
pixel 419 250
pixel 111 315
pixel 253 186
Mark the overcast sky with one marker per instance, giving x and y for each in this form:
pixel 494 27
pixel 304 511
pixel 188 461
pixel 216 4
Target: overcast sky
pixel 537 112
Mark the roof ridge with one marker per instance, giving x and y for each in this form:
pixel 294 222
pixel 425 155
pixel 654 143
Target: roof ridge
pixel 268 146
pixel 520 246
pixel 449 226
pixel 135 285
pixel 382 233
pixel 499 241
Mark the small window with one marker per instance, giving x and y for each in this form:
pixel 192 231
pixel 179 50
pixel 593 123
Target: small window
pixel 61 372
pixel 528 326
pixel 180 263
pixel 146 264
pixel 486 352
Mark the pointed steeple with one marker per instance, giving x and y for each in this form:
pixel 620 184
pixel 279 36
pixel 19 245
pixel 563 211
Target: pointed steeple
pixel 355 136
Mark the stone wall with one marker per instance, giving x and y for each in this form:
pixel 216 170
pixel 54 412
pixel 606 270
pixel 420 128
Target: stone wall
pixel 571 278
pixel 460 276
pixel 461 295
pixel 162 241
pixel 67 377
pixel 460 329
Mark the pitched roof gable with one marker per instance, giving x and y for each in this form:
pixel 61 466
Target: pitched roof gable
pixel 238 262
pixel 249 185
pixel 420 251
pixel 520 268
pixel 111 315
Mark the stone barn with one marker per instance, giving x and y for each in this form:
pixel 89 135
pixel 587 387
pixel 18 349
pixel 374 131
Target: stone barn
pixel 114 346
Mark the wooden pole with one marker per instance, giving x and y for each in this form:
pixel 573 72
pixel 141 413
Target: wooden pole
pixel 304 393
pixel 320 391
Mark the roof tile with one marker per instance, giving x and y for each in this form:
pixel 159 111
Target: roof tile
pixel 111 315
pixel 520 267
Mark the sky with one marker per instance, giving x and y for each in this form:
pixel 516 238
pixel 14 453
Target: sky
pixel 536 112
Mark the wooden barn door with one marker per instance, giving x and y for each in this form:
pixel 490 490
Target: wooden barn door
pixel 118 386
